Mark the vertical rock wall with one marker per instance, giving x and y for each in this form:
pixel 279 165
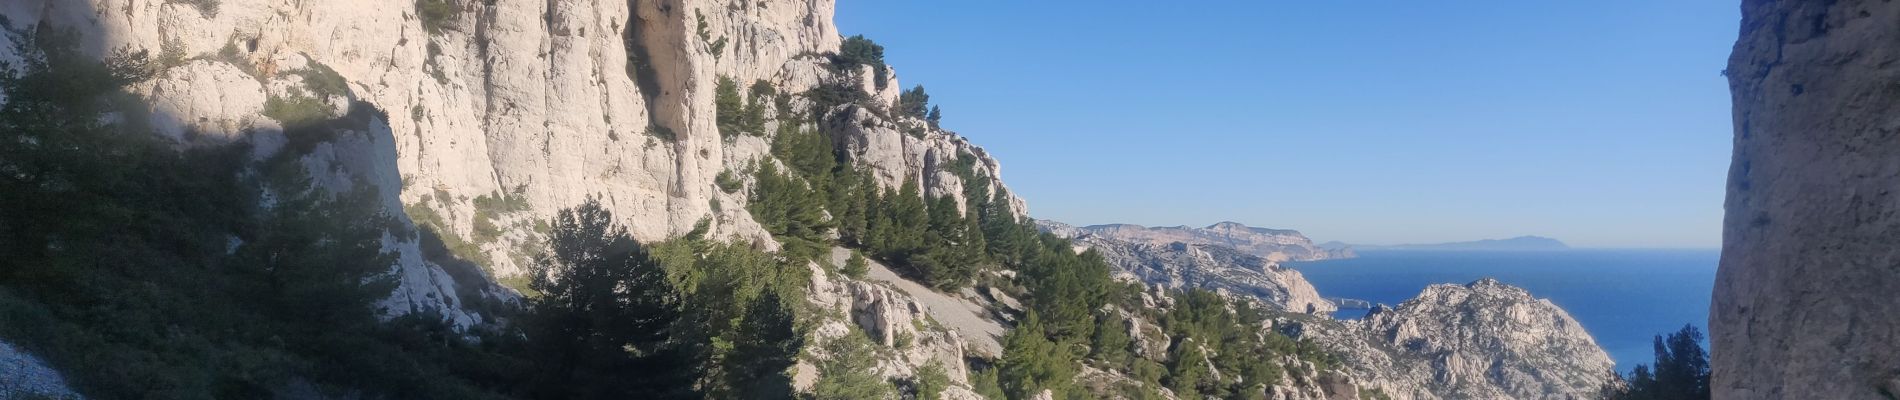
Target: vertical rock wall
pixel 1805 302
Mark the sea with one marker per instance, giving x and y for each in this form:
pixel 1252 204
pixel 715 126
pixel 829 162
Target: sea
pixel 1624 298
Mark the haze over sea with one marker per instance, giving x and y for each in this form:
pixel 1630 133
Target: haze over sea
pixel 1622 297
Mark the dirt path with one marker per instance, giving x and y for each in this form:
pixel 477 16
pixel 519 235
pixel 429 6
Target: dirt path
pixel 971 320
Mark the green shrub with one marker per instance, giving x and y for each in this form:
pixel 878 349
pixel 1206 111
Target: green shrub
pixel 826 96
pixel 856 51
pixel 931 380
pixel 171 54
pixel 913 102
pixel 985 382
pixel 206 8
pixel 728 107
pixel 662 132
pixel 855 267
pixel 323 81
pixel 849 371
pixel 438 15
pixel 792 211
pixel 727 182
pixel 297 109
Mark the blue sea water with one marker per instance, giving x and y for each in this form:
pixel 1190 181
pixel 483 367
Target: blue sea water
pixel 1622 297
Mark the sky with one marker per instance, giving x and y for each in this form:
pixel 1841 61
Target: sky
pixel 1600 123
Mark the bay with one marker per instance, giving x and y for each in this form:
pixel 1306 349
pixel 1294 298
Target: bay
pixel 1622 297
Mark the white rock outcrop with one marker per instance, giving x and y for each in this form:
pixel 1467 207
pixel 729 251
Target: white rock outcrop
pixel 1483 340
pixel 1178 265
pixel 551 102
pixel 904 327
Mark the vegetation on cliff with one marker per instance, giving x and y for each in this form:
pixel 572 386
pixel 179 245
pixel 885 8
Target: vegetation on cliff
pixel 1680 371
pixel 147 271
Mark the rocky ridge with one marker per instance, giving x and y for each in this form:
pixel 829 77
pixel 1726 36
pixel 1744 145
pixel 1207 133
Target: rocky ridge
pixel 1485 339
pixel 1482 340
pixel 1179 266
pixel 1276 245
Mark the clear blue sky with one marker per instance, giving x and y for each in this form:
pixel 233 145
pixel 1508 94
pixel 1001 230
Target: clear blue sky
pixel 1601 123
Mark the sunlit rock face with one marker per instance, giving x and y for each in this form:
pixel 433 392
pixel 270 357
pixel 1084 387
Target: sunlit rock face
pixel 1482 340
pixel 1804 301
pixel 543 103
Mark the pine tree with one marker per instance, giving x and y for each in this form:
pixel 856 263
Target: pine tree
pixel 856 266
pixel 914 102
pixel 791 211
pixel 1187 369
pixel 1031 362
pixel 1111 341
pixel 728 108
pixel 763 350
pixel 1680 372
pixel 600 327
pixel 849 371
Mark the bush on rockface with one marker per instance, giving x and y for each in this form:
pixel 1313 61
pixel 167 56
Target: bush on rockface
pixel 913 102
pixel 438 15
pixel 1680 371
pixel 858 51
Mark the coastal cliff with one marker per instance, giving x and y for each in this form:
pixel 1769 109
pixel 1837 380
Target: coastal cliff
pixel 1276 245
pixel 1482 340
pixel 473 124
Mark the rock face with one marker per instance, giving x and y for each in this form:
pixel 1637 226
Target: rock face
pixel 903 320
pixel 1483 340
pixel 539 103
pixel 1804 300
pixel 1275 245
pixel 1179 265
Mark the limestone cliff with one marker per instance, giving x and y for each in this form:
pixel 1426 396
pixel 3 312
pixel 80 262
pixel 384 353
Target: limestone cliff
pixel 479 118
pixel 1275 245
pixel 1480 340
pixel 1178 265
pixel 1803 305
pixel 1483 340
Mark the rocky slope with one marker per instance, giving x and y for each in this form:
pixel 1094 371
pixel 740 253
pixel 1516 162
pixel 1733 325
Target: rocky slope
pixel 1275 245
pixel 1483 340
pixel 1803 304
pixel 491 115
pixel 1178 265
pixel 1480 340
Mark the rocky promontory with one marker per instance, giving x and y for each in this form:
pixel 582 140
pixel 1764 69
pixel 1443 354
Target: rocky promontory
pixel 1482 340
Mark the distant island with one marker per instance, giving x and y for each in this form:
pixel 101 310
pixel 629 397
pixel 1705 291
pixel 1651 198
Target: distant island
pixel 1520 243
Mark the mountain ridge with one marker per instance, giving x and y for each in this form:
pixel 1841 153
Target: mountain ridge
pixel 1276 245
